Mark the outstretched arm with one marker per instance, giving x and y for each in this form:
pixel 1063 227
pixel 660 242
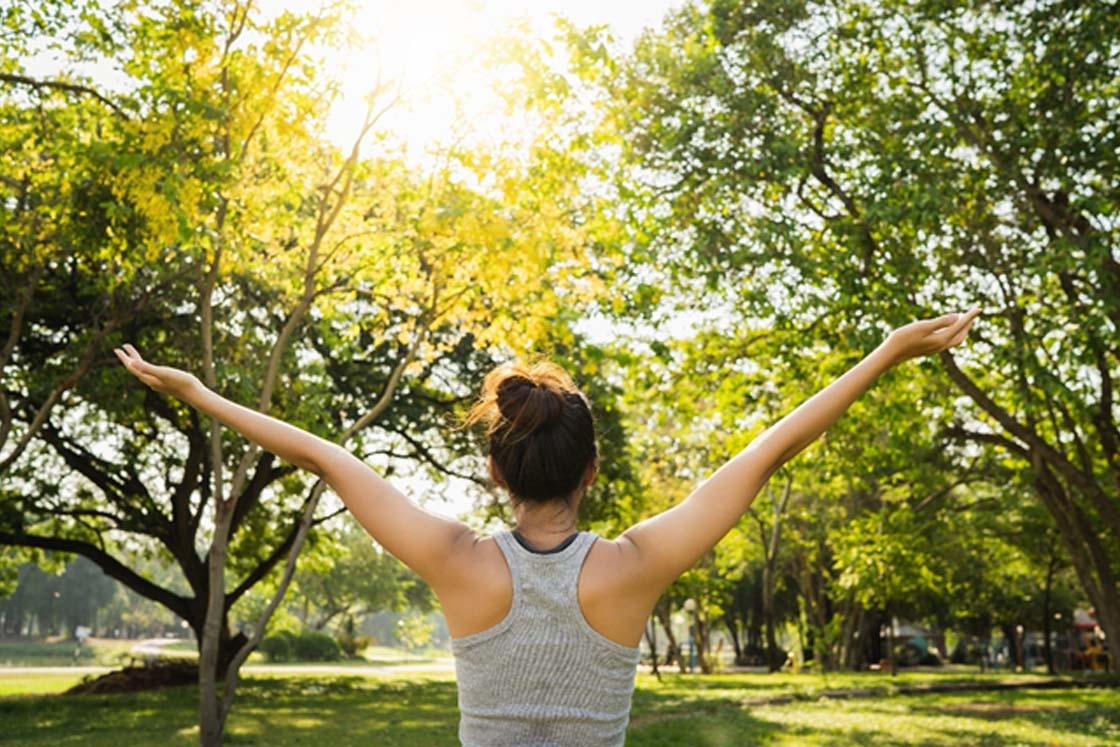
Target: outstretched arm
pixel 422 540
pixel 668 544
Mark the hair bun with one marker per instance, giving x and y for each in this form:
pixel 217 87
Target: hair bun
pixel 528 404
pixel 540 428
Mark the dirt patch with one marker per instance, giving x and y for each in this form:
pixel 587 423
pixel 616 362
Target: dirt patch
pixel 164 673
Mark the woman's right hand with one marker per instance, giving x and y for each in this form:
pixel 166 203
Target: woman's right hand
pixel 161 378
pixel 929 336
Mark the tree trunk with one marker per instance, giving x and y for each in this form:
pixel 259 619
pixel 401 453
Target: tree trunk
pixel 892 661
pixel 862 640
pixel 1047 613
pixel 774 657
pixel 874 637
pixel 210 712
pixel 673 649
pixel 700 643
pixel 1014 646
pixel 651 639
pixel 731 622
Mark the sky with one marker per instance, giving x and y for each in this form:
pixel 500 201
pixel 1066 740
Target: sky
pixel 432 46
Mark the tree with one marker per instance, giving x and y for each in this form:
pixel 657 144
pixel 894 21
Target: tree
pixel 344 292
pixel 359 579
pixel 836 164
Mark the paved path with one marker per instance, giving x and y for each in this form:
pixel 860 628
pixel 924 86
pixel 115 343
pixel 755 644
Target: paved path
pixel 363 670
pixel 154 647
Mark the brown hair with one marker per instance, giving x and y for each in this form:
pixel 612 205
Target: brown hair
pixel 542 437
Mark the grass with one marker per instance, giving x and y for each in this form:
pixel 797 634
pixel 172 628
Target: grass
pixel 39 683
pixel 679 711
pixel 732 710
pixel 106 652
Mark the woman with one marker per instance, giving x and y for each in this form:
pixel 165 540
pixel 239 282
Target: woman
pixel 546 620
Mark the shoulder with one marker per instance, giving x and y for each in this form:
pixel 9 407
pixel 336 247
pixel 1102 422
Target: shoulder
pixel 475 588
pixel 474 555
pixel 614 595
pixel 613 559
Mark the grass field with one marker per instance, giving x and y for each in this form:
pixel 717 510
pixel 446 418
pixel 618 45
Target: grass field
pixel 420 711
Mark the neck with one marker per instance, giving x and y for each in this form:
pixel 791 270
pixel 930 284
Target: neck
pixel 545 525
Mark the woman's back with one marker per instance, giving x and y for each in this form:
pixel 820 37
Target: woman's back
pixel 543 675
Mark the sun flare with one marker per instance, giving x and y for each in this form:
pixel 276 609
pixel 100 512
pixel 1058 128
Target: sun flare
pixel 434 53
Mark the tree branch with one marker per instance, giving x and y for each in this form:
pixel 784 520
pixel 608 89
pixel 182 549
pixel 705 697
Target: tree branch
pixel 60 85
pixel 110 565
pixel 1038 447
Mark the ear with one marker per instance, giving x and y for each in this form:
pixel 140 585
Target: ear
pixel 495 475
pixel 592 471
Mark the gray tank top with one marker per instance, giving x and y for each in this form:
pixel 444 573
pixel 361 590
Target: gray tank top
pixel 543 677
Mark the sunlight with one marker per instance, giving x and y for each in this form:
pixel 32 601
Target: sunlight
pixel 433 51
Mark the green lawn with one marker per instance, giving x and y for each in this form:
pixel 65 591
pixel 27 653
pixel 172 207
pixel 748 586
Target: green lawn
pixel 419 711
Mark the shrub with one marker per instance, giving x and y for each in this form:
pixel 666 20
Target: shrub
pixel 311 645
pixel 353 646
pixel 279 646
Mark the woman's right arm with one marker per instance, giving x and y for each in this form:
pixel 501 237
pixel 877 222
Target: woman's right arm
pixel 424 541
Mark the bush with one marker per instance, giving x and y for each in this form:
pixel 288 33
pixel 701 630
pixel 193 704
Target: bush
pixel 353 646
pixel 312 645
pixel 309 645
pixel 278 646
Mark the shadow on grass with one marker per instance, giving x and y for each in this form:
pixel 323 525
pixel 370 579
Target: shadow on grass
pixel 346 711
pixel 100 720
pixel 1091 716
pixel 1086 718
pixel 268 711
pixel 683 711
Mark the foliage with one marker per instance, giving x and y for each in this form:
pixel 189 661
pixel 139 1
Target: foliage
pixel 304 645
pixel 829 168
pixel 195 208
pixel 354 577
pixel 277 646
pixel 51 604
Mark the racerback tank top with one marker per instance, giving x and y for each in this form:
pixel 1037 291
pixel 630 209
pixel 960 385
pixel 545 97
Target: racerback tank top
pixel 543 677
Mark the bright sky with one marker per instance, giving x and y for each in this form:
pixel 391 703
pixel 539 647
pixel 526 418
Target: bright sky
pixel 432 47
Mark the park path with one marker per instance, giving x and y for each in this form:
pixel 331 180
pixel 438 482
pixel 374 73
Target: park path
pixel 368 670
pixel 155 647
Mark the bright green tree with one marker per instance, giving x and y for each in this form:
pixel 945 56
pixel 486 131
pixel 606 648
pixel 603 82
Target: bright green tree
pixel 840 165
